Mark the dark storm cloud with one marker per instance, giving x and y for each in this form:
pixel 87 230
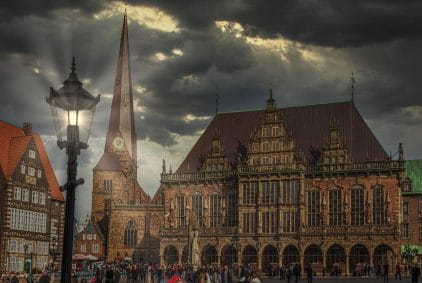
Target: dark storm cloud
pixel 338 23
pixel 21 8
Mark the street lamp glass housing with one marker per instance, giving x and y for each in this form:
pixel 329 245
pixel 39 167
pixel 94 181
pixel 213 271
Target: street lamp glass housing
pixel 72 108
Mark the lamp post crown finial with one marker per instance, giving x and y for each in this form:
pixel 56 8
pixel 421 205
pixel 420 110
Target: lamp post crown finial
pixel 73 68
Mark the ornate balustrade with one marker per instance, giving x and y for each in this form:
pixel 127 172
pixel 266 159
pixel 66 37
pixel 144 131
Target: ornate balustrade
pixel 386 165
pixel 203 231
pixel 388 229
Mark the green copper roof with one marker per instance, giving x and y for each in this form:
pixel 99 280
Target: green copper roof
pixel 414 172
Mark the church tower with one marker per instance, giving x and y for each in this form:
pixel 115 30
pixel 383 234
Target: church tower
pixel 114 177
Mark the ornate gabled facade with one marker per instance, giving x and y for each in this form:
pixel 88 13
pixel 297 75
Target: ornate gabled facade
pixel 308 184
pixel 31 204
pixel 120 206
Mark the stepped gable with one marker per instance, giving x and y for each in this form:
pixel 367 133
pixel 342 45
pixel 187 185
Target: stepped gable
pixel 309 126
pixel 13 144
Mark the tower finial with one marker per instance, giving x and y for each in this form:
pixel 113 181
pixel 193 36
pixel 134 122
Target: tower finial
pixel 73 68
pixel 353 81
pixel 217 96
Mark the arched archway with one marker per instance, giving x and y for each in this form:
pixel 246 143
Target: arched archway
pixel 359 255
pixel 229 255
pixel 185 255
pixel 131 233
pixel 290 255
pixel 249 255
pixel 209 255
pixel 313 256
pixel 336 259
pixel 383 254
pixel 269 256
pixel 171 255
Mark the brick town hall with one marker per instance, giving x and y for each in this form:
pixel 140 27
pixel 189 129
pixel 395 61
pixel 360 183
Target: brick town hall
pixel 308 184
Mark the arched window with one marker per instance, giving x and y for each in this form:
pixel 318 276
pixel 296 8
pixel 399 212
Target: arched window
pixel 313 254
pixel 269 256
pixel 314 208
pixel 249 255
pixel 290 255
pixel 336 259
pixel 229 255
pixel 335 207
pixel 130 234
pixel 357 212
pixel 209 255
pixel 359 255
pixel 379 206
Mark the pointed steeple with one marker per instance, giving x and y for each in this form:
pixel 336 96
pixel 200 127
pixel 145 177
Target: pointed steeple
pixel 122 122
pixel 270 102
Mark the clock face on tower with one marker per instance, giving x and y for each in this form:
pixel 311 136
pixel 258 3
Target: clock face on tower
pixel 118 143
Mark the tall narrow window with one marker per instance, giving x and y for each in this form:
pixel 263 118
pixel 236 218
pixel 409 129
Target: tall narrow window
pixel 405 225
pixel 249 222
pixel 231 210
pixel 198 210
pixel 357 206
pixel 290 221
pixel 269 222
pixel 130 234
pixel 250 191
pixel 108 186
pixel 181 211
pixel 379 206
pixel 335 208
pixel 215 210
pixel 314 208
pixel 270 192
pixel 291 190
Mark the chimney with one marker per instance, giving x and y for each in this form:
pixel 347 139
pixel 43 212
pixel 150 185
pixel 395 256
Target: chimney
pixel 27 128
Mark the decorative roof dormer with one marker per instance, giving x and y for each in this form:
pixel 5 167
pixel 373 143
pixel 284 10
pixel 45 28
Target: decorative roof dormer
pixel 216 159
pixel 271 143
pixel 334 150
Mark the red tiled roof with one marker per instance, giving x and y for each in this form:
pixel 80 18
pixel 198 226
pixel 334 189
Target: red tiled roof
pixel 309 126
pixel 13 144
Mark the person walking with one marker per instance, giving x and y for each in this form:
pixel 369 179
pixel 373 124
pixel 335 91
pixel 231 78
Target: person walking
pixel 415 273
pixel 385 272
pixel 309 273
pixel 398 271
pixel 296 272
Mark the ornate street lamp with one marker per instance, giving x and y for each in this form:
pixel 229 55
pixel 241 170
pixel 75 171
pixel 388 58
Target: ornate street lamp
pixel 72 108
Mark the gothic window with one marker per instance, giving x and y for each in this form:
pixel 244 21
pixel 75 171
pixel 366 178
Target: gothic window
pixel 357 212
pixel 181 211
pixel 291 191
pixel 249 222
pixel 290 221
pixel 231 210
pixel 335 207
pixel 405 225
pixel 198 210
pixel 215 210
pixel 250 191
pixel 379 206
pixel 108 185
pixel 130 234
pixel 269 222
pixel 314 208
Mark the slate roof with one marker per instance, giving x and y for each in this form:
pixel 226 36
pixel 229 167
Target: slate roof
pixel 13 144
pixel 109 162
pixel 413 170
pixel 309 126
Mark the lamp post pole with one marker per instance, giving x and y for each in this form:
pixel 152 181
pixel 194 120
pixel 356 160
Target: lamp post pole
pixel 72 150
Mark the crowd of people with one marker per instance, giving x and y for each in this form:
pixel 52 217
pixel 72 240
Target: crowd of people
pixel 175 273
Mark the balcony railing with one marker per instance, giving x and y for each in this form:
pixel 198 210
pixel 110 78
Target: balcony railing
pixel 215 175
pixel 203 231
pixel 280 168
pixel 388 229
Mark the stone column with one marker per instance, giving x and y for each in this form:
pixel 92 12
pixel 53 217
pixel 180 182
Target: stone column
pixel 347 265
pixel 260 269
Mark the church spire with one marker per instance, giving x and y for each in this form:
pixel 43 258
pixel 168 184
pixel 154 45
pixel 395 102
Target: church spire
pixel 122 122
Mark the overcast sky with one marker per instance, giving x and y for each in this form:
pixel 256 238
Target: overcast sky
pixel 181 51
